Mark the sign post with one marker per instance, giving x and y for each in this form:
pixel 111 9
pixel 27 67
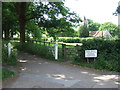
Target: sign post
pixel 9 49
pixel 90 54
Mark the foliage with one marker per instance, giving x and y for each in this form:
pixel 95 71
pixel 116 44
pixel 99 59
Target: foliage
pixel 33 30
pixel 108 52
pixel 35 49
pixel 83 31
pixel 117 33
pixel 6 73
pixel 9 60
pixel 73 39
pixel 117 12
pixel 50 16
pixel 112 28
pixel 9 21
pixel 93 26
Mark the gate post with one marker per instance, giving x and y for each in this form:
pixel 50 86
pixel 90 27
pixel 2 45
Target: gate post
pixel 64 51
pixel 44 43
pixel 77 46
pixel 56 51
pixel 9 49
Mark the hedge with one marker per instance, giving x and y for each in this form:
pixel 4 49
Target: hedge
pixel 35 49
pixel 108 52
pixel 8 60
pixel 73 40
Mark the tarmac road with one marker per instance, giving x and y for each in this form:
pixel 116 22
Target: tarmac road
pixel 36 72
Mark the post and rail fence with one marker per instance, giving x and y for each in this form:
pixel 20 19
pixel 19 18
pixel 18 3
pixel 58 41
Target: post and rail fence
pixel 67 51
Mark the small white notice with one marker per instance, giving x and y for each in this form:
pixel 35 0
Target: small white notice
pixel 90 53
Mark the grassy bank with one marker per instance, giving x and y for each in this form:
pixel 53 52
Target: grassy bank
pixel 8 60
pixel 6 74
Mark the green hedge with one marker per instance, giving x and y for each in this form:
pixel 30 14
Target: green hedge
pixel 73 40
pixel 108 53
pixel 35 49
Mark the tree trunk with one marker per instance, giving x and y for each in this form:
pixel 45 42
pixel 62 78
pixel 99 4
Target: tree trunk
pixel 11 34
pixel 6 34
pixel 22 31
pixel 22 21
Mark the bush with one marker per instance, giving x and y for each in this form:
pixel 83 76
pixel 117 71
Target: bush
pixel 108 53
pixel 83 31
pixel 73 40
pixel 9 60
pixel 35 49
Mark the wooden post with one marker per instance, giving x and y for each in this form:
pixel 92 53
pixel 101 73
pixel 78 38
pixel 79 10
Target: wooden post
pixel 9 49
pixel 64 51
pixel 94 59
pixel 44 43
pixel 40 42
pixel 76 48
pixel 87 60
pixel 49 43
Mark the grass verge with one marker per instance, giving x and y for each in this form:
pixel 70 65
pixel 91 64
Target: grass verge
pixel 6 74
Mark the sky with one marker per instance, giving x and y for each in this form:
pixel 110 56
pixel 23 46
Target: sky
pixel 98 10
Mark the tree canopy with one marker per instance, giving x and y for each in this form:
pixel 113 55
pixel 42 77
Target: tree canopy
pixel 9 21
pixel 112 28
pixel 93 26
pixel 53 17
pixel 83 31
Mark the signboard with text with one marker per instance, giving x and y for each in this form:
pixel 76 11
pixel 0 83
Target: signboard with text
pixel 90 53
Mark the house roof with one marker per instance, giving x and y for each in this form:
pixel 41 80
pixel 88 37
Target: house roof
pixel 97 33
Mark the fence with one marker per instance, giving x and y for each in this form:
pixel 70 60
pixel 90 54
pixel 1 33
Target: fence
pixel 70 51
pixel 65 51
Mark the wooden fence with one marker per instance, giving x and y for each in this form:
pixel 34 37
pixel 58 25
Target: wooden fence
pixel 70 51
pixel 67 51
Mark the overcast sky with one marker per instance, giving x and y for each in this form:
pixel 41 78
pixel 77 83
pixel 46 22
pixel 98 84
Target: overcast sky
pixel 98 10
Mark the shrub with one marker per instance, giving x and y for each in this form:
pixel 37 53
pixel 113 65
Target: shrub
pixel 108 53
pixel 9 60
pixel 83 31
pixel 73 40
pixel 35 49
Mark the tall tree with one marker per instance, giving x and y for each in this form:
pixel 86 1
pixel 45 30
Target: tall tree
pixel 112 28
pixel 32 29
pixel 59 20
pixel 21 8
pixel 93 26
pixel 9 21
pixel 83 31
pixel 44 14
pixel 117 12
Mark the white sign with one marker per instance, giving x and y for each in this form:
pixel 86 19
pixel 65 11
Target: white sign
pixel 90 53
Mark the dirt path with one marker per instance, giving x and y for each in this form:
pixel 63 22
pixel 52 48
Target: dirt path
pixel 40 73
